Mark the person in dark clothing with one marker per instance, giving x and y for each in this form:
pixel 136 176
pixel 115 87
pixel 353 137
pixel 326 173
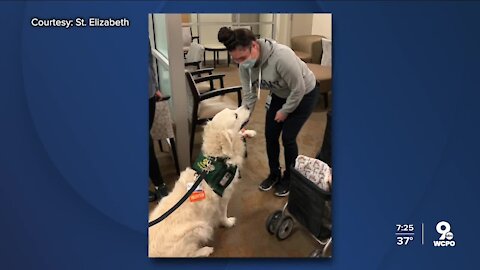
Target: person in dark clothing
pixel 154 170
pixel 325 153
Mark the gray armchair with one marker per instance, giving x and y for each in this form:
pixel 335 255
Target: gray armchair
pixel 307 47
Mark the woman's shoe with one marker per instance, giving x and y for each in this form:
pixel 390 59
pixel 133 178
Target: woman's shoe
pixel 162 191
pixel 268 183
pixel 152 196
pixel 283 187
pixel 282 190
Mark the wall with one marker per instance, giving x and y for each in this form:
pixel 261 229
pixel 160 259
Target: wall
pixel 282 29
pixel 211 23
pixel 265 30
pixel 248 18
pixel 301 24
pixel 186 18
pixel 311 24
pixel 208 33
pixel 322 25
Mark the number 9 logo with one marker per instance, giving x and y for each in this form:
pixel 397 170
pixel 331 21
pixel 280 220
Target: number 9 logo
pixel 443 228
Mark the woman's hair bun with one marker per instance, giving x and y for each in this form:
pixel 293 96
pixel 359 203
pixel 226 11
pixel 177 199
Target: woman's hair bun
pixel 232 39
pixel 225 34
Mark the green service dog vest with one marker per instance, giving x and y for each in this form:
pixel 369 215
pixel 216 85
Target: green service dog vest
pixel 219 173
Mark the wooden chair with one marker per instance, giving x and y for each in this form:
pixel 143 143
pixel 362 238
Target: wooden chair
pixel 188 38
pixel 208 84
pixel 207 104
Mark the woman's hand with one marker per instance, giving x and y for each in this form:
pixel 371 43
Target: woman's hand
pixel 280 117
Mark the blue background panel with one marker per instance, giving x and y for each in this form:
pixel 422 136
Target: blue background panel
pixel 73 153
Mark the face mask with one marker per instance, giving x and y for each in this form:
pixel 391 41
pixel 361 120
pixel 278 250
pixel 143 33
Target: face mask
pixel 248 64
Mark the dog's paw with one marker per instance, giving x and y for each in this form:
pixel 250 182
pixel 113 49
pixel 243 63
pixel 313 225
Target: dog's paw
pixel 229 222
pixel 204 252
pixel 249 133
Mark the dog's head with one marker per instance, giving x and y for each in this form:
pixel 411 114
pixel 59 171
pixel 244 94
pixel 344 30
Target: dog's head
pixel 231 120
pixel 221 135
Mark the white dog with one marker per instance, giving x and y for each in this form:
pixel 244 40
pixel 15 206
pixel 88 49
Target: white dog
pixel 186 231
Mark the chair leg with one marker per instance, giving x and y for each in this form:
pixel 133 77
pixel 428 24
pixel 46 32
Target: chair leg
pixel 174 152
pixel 192 137
pixel 161 146
pixel 214 60
pixel 239 99
pixel 325 98
pixel 245 155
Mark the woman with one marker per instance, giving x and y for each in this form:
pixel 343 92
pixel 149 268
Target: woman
pixel 291 100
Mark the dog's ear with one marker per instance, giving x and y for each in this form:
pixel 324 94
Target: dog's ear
pixel 226 143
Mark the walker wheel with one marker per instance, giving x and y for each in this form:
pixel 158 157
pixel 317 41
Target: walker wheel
pixel 285 228
pixel 273 221
pixel 317 253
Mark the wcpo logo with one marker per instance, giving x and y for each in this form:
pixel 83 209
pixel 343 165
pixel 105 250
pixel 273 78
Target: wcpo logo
pixel 446 235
